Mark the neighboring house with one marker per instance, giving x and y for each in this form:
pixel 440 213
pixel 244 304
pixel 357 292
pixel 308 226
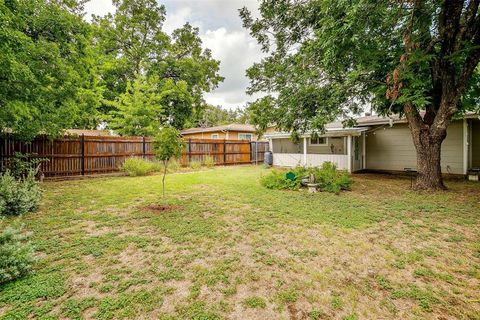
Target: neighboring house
pixel 377 143
pixel 232 131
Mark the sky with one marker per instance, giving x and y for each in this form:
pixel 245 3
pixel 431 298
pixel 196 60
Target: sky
pixel 221 31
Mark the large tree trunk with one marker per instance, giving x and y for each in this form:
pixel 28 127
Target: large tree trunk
pixel 428 161
pixel 427 135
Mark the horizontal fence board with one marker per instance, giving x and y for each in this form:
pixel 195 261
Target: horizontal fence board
pixel 68 156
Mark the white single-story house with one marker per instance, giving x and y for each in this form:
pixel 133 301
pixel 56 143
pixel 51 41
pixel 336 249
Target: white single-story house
pixel 377 143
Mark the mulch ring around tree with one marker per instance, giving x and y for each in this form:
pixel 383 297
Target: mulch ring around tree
pixel 160 208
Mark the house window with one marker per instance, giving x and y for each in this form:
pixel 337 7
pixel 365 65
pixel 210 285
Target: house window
pixel 318 141
pixel 245 136
pixel 215 136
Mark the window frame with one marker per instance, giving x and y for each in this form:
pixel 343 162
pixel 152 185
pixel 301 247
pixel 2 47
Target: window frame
pixel 215 136
pixel 245 134
pixel 318 144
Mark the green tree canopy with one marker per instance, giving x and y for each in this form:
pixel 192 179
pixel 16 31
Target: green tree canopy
pixel 139 111
pixel 47 68
pixel 331 58
pixel 133 43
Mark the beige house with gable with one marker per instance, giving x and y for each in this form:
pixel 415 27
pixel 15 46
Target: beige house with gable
pixel 232 131
pixel 377 143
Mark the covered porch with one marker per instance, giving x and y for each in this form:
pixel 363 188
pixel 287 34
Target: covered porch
pixel 344 147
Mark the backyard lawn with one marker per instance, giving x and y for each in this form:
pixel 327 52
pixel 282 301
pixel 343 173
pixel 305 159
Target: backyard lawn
pixel 227 248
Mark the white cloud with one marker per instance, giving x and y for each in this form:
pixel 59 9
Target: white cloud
pixel 177 19
pixel 99 8
pixel 236 51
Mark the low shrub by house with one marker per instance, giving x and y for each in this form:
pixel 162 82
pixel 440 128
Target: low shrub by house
pixel 16 252
pixel 328 178
pixel 19 196
pixel 277 179
pixel 332 180
pixel 136 166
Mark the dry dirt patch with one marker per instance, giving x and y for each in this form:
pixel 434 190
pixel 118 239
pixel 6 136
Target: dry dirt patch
pixel 160 208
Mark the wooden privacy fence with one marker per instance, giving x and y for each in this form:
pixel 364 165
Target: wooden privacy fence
pixel 224 152
pixel 85 155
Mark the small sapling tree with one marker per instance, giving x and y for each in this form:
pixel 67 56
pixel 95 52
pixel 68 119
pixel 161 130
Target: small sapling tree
pixel 167 145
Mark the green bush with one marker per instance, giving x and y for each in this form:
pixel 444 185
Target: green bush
pixel 332 180
pixel 136 166
pixel 277 179
pixel 21 164
pixel 19 196
pixel 327 177
pixel 209 162
pixel 195 165
pixel 17 255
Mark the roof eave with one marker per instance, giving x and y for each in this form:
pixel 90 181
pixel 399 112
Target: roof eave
pixel 335 132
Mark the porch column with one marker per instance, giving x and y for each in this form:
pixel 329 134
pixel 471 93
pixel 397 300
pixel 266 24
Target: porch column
pixel 349 153
pixel 270 144
pixel 364 150
pixel 305 151
pixel 465 146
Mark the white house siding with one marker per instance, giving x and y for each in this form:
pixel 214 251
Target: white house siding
pixel 287 159
pixel 391 148
pixel 313 160
pixel 316 160
pixel 285 145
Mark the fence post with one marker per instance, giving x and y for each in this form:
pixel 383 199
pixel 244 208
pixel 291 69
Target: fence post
pixel 189 150
pixel 144 148
pixel 3 149
pixel 82 164
pixel 224 152
pixel 251 151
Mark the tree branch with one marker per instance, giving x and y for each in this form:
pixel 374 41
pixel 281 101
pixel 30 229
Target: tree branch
pixel 471 62
pixel 467 30
pixel 449 25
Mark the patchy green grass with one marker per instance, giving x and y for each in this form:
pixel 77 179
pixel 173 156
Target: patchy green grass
pixel 219 245
pixel 255 302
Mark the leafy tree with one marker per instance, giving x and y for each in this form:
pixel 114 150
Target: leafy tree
pixel 167 144
pixel 178 102
pixel 187 61
pixel 329 58
pixel 130 40
pixel 47 82
pixel 139 109
pixel 147 105
pixel 211 115
pixel 133 44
